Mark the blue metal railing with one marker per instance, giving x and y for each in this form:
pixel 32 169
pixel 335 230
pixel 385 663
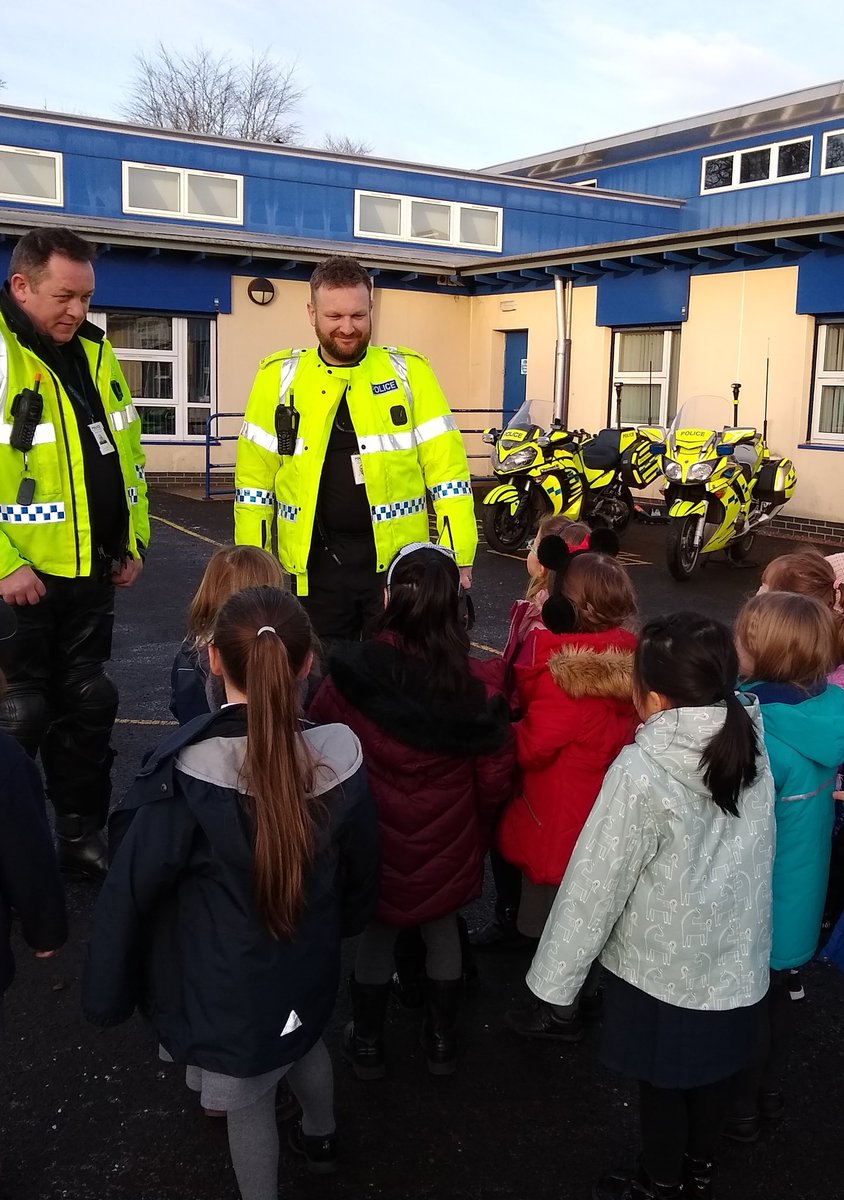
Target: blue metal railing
pixel 216 439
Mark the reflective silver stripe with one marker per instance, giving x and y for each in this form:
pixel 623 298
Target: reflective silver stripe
pixel 288 370
pixel 827 785
pixel 4 369
pixel 31 514
pixel 254 433
pixel 399 365
pixel 123 418
pixel 433 428
pixel 374 443
pixel 46 432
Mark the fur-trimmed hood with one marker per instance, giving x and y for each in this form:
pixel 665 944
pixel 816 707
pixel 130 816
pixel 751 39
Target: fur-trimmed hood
pixel 391 689
pixel 582 671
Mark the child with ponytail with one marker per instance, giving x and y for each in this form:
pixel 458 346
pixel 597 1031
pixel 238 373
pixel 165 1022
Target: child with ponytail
pixel 244 851
pixel 670 883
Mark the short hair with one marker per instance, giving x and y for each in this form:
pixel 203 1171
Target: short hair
pixel 340 272
pixel 788 638
pixel 34 250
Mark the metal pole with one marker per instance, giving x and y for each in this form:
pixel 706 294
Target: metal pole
pixel 562 362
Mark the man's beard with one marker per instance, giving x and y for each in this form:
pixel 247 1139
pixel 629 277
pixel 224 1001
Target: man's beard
pixel 343 352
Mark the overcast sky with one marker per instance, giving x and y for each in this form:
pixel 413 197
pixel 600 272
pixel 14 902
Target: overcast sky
pixel 465 84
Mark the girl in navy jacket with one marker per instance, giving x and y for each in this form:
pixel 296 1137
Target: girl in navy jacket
pixel 246 849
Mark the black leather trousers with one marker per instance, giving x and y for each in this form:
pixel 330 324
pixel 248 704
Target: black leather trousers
pixel 60 700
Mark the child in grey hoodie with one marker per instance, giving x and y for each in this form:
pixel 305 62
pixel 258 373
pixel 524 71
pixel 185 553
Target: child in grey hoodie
pixel 670 883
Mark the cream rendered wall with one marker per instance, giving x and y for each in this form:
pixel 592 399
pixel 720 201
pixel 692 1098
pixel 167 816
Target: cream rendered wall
pixel 736 322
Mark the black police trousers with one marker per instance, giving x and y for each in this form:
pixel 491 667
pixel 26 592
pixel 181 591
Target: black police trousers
pixel 345 598
pixel 59 699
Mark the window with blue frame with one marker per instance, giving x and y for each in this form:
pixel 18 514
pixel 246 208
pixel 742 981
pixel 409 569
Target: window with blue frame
pixel 779 162
pixel 31 176
pixel 416 219
pixel 828 391
pixel 179 192
pixel 169 364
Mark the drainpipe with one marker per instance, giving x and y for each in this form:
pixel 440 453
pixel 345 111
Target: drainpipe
pixel 562 363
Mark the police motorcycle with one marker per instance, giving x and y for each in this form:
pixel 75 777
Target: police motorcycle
pixel 722 482
pixel 575 474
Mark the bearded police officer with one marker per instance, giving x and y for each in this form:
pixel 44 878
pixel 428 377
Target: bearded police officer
pixel 346 439
pixel 73 526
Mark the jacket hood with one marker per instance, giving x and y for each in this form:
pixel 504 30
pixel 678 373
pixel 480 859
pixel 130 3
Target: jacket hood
pixel 391 689
pixel 584 671
pixel 678 737
pixel 813 728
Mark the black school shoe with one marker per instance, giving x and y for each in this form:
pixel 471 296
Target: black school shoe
pixel 319 1153
pixel 501 934
pixel 635 1186
pixel 536 1019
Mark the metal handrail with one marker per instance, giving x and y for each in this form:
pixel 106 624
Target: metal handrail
pixel 217 439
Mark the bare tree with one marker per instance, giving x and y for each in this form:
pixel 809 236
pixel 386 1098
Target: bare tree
pixel 201 92
pixel 346 145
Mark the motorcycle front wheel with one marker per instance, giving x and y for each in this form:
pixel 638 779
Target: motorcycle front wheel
pixel 504 530
pixel 681 553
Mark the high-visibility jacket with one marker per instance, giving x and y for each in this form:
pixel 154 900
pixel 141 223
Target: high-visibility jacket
pixel 53 532
pixel 407 440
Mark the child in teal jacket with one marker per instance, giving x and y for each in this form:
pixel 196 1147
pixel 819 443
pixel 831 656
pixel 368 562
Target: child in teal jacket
pixel 787 644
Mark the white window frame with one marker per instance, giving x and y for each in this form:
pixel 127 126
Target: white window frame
pixel 825 170
pixel 178 355
pixel 774 147
pixel 406 203
pixel 183 213
pixel 57 159
pixel 658 378
pixel 824 379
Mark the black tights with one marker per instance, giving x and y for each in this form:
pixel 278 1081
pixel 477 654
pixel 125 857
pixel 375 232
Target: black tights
pixel 677 1122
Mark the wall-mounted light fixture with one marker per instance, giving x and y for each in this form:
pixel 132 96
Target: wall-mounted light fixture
pixel 261 291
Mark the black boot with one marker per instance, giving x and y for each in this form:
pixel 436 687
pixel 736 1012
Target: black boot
pixel 635 1186
pixel 82 846
pixel 439 1033
pixel 697 1178
pixel 537 1019
pixel 363 1037
pixel 501 933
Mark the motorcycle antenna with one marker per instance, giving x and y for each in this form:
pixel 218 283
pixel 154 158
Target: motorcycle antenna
pixel 618 388
pixel 650 390
pixel 765 409
pixel 736 390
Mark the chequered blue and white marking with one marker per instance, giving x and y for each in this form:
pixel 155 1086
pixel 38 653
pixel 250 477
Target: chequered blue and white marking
pixel 140 472
pixel 132 495
pixel 244 495
pixel 288 512
pixel 402 508
pixel 453 487
pixel 31 514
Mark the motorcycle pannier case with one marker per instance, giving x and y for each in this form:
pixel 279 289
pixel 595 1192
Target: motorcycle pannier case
pixel 776 481
pixel 639 465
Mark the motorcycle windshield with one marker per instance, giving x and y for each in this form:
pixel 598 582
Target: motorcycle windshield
pixel 522 418
pixel 702 414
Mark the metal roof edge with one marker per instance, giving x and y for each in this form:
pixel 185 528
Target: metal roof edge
pixel 686 124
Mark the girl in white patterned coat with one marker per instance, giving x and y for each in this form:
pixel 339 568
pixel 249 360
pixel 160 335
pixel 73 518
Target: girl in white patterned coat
pixel 670 883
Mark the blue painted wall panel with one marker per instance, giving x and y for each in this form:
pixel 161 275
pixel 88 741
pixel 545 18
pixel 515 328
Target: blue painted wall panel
pixel 644 297
pixel 820 283
pixel 300 197
pixel 168 283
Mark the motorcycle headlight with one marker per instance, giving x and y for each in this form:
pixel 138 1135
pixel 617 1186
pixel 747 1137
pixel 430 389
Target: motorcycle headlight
pixel 673 470
pixel 700 472
pixel 519 458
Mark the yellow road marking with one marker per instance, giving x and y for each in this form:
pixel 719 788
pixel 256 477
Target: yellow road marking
pixel 190 532
pixel 489 649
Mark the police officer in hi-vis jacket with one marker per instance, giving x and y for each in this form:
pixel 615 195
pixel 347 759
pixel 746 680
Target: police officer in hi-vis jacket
pixel 346 440
pixel 73 526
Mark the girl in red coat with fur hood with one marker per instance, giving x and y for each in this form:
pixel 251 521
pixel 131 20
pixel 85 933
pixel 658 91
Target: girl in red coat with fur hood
pixel 576 696
pixel 439 754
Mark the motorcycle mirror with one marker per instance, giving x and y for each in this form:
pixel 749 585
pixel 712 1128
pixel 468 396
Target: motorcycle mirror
pixel 544 440
pixel 489 436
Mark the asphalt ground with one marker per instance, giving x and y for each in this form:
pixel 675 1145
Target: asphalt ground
pixel 87 1114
